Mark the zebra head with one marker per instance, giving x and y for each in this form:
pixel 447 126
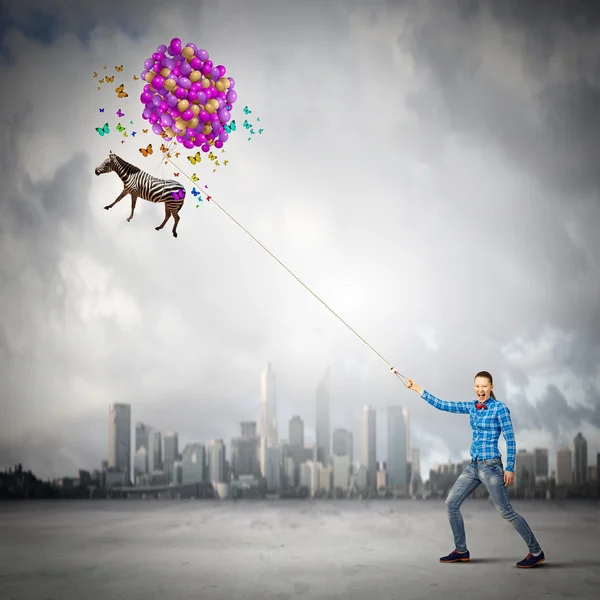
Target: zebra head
pixel 108 165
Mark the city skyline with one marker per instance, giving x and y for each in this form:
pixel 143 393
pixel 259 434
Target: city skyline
pixel 437 188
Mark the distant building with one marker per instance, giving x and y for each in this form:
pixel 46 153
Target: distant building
pixel 341 472
pixel 322 419
pixel 343 443
pixel 581 459
pixel 398 448
pixel 171 455
pixel 244 451
pixel 541 463
pixel 368 456
pixel 216 461
pixel 119 438
pixel 564 466
pixel 155 460
pixel 193 461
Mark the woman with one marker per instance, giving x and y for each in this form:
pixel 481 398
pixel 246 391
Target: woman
pixel 488 418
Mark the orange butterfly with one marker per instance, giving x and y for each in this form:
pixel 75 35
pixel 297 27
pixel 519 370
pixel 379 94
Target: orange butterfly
pixel 176 154
pixel 119 68
pixel 163 148
pixel 110 79
pixel 135 77
pixel 120 92
pixel 176 174
pixel 144 131
pixel 98 88
pixel 101 80
pixel 146 151
pixel 104 67
pixel 95 74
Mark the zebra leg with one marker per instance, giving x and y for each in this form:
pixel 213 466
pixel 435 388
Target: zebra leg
pixel 176 217
pixel 167 216
pixel 133 201
pixel 121 196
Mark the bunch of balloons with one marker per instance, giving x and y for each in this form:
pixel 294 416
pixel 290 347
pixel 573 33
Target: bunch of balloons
pixel 186 97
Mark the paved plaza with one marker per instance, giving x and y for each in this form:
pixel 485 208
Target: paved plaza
pixel 284 550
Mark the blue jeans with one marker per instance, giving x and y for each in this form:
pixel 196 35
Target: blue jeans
pixel 491 474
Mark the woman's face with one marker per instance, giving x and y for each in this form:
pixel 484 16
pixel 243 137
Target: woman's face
pixel 483 388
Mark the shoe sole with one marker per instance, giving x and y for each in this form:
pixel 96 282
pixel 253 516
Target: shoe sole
pixel 531 566
pixel 456 560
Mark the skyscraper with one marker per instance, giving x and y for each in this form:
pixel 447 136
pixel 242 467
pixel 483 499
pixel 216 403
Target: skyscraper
pixel 141 441
pixel 119 438
pixel 581 459
pixel 564 466
pixel 216 461
pixel 244 451
pixel 525 470
pixel 398 447
pixel 154 451
pixel 323 429
pixel 296 443
pixel 368 453
pixel 541 462
pixel 171 455
pixel 267 422
pixel 192 464
pixel 343 443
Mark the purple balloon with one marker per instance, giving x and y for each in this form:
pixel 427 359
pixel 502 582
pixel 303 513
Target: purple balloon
pixel 178 57
pixel 166 120
pixel 208 92
pixel 156 100
pixel 192 96
pixel 224 115
pixel 153 118
pixel 202 54
pixel 188 144
pixel 143 74
pixel 187 114
pixel 231 96
pixel 185 68
pixel 145 97
pixel 162 49
pixel 176 71
pixel 198 142
pixel 175 113
pixel 204 116
pixel 206 69
pixel 146 114
pixel 175 42
pixel 158 82
pixel 157 129
pixel 162 91
pixel 195 63
pixel 215 73
pixel 147 88
pixel 214 117
pixel 172 51
pixel 201 97
pixel 184 82
pixel 218 144
pixel 205 148
pixel 192 46
pixel 222 71
pixel 179 139
pixel 180 93
pixel 148 64
pixel 221 102
pixel 223 136
pixel 232 82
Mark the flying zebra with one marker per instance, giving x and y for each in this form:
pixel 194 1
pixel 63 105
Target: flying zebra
pixel 139 184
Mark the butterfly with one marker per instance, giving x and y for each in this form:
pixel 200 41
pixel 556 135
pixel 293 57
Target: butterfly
pixel 120 92
pixel 247 125
pixel 211 156
pixel 176 154
pixel 225 163
pixel 163 148
pixel 196 193
pixel 260 130
pixel 101 80
pixel 103 130
pixel 120 113
pixel 120 128
pixel 195 177
pixel 98 88
pixel 249 139
pixel 195 159
pixel 101 109
pixel 163 135
pixel 110 79
pixel 217 163
pixel 144 131
pixel 122 141
pixel 247 111
pixel 146 151
pixel 258 118
pixel 231 127
pixel 95 74
pixel 133 133
pixel 131 122
pixel 119 69
pixel 208 197
pixel 125 134
pixel 180 194
pixel 252 132
pixel 176 174
pixel 104 67
pixel 214 170
pixel 135 78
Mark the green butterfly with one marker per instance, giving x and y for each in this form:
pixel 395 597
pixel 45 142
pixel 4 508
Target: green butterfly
pixel 247 125
pixel 103 130
pixel 260 130
pixel 120 128
pixel 247 111
pixel 230 128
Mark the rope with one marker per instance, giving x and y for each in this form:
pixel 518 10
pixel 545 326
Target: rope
pixel 394 371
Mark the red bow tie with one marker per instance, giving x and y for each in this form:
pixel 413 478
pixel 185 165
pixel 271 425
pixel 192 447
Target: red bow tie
pixel 480 405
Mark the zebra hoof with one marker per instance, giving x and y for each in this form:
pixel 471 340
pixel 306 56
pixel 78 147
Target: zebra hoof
pixel 157 228
pixel 106 207
pixel 174 234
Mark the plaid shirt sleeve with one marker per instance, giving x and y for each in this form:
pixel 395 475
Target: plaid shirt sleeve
pixel 508 433
pixel 453 407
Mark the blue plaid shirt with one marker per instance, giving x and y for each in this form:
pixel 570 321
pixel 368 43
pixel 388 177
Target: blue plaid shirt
pixel 486 423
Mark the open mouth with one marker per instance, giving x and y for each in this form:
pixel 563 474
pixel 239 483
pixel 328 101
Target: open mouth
pixel 481 396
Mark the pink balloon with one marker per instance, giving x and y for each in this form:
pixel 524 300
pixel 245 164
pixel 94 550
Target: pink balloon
pixel 180 93
pixel 188 144
pixel 205 148
pixel 196 63
pixel 204 116
pixel 187 114
pixel 218 144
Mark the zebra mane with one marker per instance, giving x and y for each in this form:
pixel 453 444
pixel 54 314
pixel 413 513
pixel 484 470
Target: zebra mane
pixel 124 163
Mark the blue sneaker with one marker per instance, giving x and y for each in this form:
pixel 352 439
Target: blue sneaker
pixel 531 561
pixel 456 556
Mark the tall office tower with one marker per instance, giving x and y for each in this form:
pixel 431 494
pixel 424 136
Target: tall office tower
pixel 525 470
pixel 415 465
pixel 171 455
pixel 119 438
pixel 244 451
pixel 322 420
pixel 343 443
pixel 564 466
pixel 192 464
pixel 155 462
pixel 398 447
pixel 216 461
pixel 140 463
pixel 368 455
pixel 141 436
pixel 296 445
pixel 267 422
pixel 541 462
pixel 581 459
pixel 274 464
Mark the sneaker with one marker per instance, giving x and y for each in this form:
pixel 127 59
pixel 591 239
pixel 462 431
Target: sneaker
pixel 456 556
pixel 531 561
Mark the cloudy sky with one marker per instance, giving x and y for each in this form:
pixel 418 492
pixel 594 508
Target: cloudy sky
pixel 429 169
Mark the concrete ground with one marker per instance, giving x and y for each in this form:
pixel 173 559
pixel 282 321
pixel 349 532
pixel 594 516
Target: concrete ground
pixel 189 549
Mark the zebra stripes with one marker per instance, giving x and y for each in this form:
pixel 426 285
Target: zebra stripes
pixel 139 184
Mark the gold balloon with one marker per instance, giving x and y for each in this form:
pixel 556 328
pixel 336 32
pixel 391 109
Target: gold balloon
pixel 195 76
pixel 214 103
pixel 180 123
pixel 170 132
pixel 170 84
pixel 193 123
pixel 220 86
pixel 165 72
pixel 150 75
pixel 195 109
pixel 227 82
pixel 183 105
pixel 205 83
pixel 207 129
pixel 210 109
pixel 187 52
